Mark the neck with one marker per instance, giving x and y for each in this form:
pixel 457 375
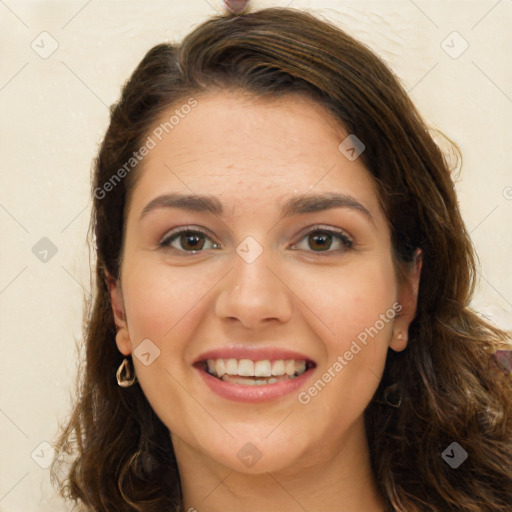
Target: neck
pixel 337 480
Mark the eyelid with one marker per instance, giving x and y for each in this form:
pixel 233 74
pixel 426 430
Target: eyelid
pixel 324 228
pixel 345 238
pixel 185 229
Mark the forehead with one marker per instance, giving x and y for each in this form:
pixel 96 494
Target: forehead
pixel 237 124
pixel 251 149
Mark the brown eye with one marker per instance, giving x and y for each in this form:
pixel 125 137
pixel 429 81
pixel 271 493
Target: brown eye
pixel 192 241
pixel 188 240
pixel 321 240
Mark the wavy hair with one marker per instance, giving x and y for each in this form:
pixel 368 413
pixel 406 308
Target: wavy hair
pixel 119 453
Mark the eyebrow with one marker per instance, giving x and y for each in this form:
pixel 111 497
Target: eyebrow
pixel 296 205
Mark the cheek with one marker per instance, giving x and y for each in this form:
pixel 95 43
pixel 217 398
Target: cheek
pixel 351 300
pixel 355 324
pixel 164 304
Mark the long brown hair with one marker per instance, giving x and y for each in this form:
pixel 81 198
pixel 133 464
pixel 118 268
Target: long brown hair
pixel 121 453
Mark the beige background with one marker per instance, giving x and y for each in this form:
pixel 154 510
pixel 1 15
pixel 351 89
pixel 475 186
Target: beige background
pixel 54 111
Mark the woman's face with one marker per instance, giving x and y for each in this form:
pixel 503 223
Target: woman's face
pixel 290 272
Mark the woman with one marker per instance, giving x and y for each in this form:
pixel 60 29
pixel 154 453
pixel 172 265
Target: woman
pixel 283 275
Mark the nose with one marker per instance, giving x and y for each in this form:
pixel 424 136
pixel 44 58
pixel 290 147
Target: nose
pixel 254 294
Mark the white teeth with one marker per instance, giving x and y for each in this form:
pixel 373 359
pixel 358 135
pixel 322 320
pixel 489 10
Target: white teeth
pixel 263 368
pixel 249 382
pixel 220 367
pixel 278 368
pixel 232 367
pixel 289 367
pixel 245 368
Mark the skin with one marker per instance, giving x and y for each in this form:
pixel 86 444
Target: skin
pixel 252 154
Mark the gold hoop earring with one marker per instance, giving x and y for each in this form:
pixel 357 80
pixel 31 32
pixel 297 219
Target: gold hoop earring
pixel 124 375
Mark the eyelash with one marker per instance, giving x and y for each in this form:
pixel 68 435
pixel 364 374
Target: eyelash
pixel 341 235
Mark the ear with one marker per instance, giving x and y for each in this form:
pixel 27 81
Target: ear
pixel 408 299
pixel 116 300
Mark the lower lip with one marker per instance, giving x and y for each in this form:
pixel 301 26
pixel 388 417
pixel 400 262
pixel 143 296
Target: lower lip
pixel 254 393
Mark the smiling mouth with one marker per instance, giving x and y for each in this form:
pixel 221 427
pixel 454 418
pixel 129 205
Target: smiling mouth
pixel 247 372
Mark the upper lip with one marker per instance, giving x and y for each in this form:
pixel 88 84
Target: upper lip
pixel 253 353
